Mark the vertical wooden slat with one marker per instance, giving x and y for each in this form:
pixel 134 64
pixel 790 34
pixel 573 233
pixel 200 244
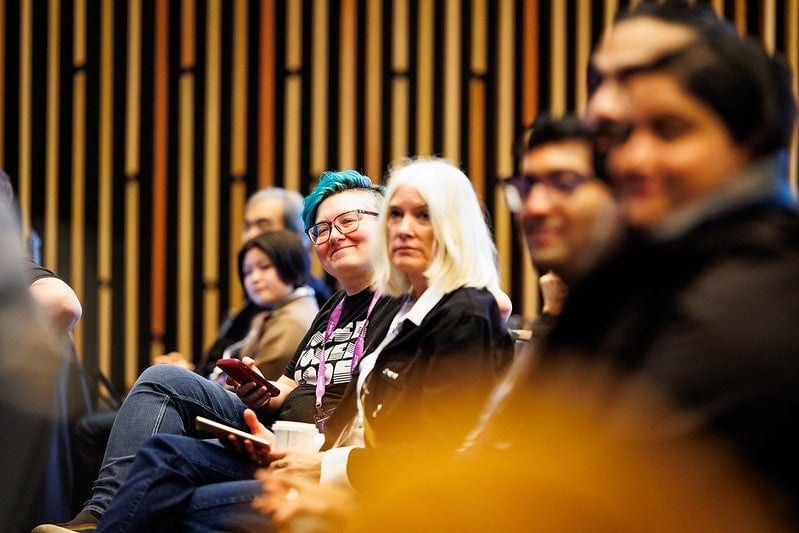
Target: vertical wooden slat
pixel 477 135
pixel 78 219
pixel 52 138
pixel 611 6
pixel 424 85
pixel 2 81
pixel 293 116
pixel 452 82
pixel 266 104
pixel 348 77
pixel 582 52
pixel 24 135
pixel 740 16
pixel 400 107
pixel 400 97
pixel 374 98
pixel 132 169
pixel 160 179
pixel 319 88
pixel 78 222
pixel 478 141
pixel 292 113
pixel 185 220
pixel 529 55
pixel 791 29
pixel 238 102
pixel 768 30
pixel 238 159
pixel 400 37
pixel 105 189
pixel 188 31
pixel 504 135
pixel 557 84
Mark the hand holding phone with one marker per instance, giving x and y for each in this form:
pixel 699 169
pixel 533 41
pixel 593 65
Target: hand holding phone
pixel 244 374
pixel 222 431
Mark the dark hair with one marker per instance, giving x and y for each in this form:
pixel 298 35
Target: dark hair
pixel 749 90
pixel 546 129
pixel 698 16
pixel 286 252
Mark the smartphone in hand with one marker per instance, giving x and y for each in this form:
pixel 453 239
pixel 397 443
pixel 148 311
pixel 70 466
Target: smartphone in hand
pixel 222 431
pixel 244 374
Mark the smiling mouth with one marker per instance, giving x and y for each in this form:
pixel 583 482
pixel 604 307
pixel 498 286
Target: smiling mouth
pixel 337 250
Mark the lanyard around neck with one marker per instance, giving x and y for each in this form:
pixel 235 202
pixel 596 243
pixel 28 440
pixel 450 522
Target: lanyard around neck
pixel 332 323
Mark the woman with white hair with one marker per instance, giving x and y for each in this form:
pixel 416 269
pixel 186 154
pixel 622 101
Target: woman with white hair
pixel 432 248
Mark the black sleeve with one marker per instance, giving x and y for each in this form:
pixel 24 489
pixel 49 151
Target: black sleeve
pixel 34 272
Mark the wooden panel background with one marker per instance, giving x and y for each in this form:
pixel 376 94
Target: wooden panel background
pixel 135 129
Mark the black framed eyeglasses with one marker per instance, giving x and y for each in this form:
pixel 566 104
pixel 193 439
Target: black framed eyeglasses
pixel 346 222
pixel 559 184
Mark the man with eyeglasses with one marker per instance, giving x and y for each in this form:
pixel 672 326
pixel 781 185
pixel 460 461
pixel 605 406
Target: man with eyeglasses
pixel 568 215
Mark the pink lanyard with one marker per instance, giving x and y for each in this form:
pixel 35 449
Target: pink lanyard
pixel 357 352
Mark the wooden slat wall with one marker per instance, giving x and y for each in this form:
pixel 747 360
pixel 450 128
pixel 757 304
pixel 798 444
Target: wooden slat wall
pixel 134 141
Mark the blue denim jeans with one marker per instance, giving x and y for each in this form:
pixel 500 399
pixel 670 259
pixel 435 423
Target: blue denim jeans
pixel 179 483
pixel 165 399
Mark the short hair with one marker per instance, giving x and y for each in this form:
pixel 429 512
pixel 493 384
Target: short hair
pixel 465 254
pixel 6 190
pixel 547 129
pixel 332 182
pixel 696 15
pixel 292 206
pixel 285 251
pixel 747 89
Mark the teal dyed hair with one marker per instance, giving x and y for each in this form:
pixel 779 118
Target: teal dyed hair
pixel 330 183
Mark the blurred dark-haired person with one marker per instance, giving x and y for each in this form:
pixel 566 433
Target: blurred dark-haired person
pixel 704 298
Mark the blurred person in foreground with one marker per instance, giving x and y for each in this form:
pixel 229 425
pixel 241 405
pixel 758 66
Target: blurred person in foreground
pixel 700 306
pixel 33 356
pixel 704 298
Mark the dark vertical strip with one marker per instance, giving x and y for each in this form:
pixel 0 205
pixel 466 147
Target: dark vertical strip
pixel 146 177
pixel 118 256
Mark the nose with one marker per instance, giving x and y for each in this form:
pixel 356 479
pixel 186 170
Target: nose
pixel 538 201
pixel 634 156
pixel 606 103
pixel 405 225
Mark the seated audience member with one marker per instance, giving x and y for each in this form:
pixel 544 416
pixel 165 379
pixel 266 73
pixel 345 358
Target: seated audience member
pixel 448 337
pixel 268 209
pixel 275 208
pixel 167 398
pixel 567 215
pixel 704 298
pixel 273 268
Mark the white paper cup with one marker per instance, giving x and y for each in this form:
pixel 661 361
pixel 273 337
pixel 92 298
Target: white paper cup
pixel 297 436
